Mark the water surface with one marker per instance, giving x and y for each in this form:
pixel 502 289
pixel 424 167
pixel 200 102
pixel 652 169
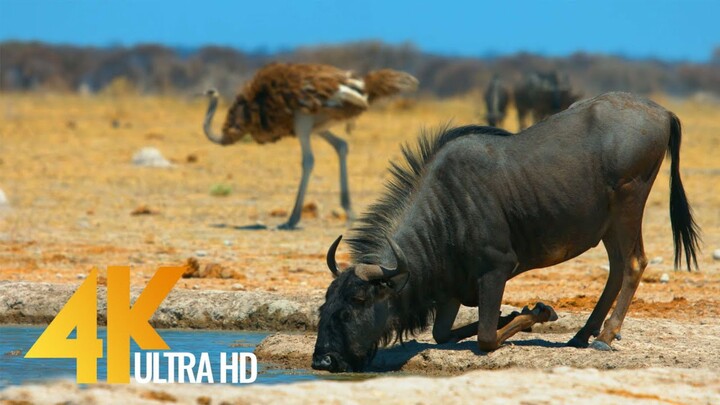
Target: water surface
pixel 15 369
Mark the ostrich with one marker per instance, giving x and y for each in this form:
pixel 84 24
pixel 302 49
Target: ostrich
pixel 287 99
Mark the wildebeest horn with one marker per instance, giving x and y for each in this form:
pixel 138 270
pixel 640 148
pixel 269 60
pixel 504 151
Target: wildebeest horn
pixel 332 264
pixel 401 262
pixel 380 272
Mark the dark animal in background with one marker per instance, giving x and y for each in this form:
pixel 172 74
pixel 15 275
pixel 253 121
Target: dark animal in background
pixel 496 101
pixel 474 208
pixel 542 94
pixel 285 99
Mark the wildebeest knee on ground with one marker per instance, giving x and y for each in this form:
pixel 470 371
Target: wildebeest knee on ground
pixel 473 208
pixel 496 101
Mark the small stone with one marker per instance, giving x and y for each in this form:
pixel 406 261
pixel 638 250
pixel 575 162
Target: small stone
pixel 200 253
pixel 14 353
pixel 143 210
pixel 665 278
pixel 227 242
pixel 226 273
pixel 3 199
pixel 278 212
pixel 716 254
pixel 656 260
pixel 310 210
pixel 80 276
pixel 238 287
pixel 605 267
pixel 338 214
pixel 150 157
pixel 196 287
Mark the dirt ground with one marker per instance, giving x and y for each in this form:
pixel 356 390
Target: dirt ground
pixel 65 166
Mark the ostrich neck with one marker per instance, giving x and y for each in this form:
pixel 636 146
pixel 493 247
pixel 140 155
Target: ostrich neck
pixel 207 125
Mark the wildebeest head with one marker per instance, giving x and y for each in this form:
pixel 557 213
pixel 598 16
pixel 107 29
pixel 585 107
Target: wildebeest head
pixel 355 315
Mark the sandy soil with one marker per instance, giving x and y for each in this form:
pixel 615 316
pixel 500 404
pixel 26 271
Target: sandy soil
pixel 515 386
pixel 65 168
pixel 645 343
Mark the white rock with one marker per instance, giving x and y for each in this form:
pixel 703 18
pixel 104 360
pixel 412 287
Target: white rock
pixel 227 242
pixel 716 254
pixel 200 253
pixel 656 260
pixel 150 157
pixel 665 278
pixel 238 287
pixel 3 199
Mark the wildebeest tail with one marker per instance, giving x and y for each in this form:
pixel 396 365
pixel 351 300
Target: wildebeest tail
pixel 685 230
pixel 388 82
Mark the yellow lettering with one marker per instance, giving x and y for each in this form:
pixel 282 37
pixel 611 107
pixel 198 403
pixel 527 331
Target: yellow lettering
pixel 79 313
pixel 125 322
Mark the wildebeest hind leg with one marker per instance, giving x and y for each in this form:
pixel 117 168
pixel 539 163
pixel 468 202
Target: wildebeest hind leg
pixel 613 245
pixel 634 265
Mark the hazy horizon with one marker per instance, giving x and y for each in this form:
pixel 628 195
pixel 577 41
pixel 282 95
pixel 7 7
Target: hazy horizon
pixel 665 30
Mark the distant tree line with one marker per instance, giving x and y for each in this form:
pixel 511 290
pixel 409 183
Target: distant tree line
pixel 32 66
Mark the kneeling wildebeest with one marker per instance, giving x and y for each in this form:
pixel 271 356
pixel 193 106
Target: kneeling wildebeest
pixel 496 101
pixel 475 208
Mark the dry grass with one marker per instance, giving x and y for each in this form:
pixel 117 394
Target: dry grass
pixel 65 166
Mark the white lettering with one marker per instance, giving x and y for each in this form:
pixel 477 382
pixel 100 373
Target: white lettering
pixel 253 367
pixel 205 369
pixel 224 368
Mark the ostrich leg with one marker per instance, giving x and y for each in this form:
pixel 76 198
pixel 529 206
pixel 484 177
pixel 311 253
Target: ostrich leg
pixel 303 129
pixel 341 148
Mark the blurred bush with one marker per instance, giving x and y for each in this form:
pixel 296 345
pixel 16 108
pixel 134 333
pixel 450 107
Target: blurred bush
pixel 32 66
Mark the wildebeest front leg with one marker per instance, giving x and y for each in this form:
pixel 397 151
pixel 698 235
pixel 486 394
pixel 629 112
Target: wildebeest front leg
pixel 491 287
pixel 445 315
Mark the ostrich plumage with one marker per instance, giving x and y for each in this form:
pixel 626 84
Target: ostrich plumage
pixel 287 99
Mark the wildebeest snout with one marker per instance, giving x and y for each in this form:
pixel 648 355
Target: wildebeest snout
pixel 328 362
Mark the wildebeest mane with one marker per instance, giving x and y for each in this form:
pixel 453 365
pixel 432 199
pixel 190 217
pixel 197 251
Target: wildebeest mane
pixel 369 235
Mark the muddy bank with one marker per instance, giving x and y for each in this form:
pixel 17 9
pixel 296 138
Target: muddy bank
pixel 38 303
pixel 560 385
pixel 645 343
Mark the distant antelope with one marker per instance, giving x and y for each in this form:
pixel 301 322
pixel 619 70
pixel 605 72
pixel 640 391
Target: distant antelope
pixel 285 99
pixel 496 100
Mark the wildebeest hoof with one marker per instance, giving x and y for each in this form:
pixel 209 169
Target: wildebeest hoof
pixel 541 312
pixel 600 345
pixel 578 343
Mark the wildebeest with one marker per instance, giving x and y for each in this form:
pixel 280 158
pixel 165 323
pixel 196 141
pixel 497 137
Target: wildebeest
pixel 496 101
pixel 474 208
pixel 542 94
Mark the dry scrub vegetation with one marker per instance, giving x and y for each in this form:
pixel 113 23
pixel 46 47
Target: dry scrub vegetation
pixel 76 201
